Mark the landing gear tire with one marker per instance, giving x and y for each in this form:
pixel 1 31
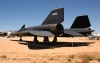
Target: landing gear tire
pixel 55 40
pixel 35 40
pixel 97 38
pixel 20 40
pixel 46 39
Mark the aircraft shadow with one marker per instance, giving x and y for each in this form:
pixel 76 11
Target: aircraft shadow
pixel 50 45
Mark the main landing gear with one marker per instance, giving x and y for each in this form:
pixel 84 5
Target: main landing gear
pixel 54 39
pixel 35 40
pixel 36 44
pixel 46 39
pixel 20 38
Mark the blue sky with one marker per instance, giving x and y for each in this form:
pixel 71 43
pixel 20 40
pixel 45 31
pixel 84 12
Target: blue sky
pixel 15 13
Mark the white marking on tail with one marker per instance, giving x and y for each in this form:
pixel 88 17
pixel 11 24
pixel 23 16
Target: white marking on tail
pixel 53 14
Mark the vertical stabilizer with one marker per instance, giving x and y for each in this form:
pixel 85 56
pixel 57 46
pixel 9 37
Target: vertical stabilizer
pixel 81 22
pixel 55 17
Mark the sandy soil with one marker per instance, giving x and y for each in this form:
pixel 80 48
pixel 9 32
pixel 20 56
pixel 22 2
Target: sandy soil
pixel 13 52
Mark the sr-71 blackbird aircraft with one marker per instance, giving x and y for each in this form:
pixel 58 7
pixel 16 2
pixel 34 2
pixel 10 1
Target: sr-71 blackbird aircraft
pixel 52 27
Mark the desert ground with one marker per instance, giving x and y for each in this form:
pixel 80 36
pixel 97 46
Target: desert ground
pixel 66 50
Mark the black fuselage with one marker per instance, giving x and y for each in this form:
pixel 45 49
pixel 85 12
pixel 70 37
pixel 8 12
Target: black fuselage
pixel 56 29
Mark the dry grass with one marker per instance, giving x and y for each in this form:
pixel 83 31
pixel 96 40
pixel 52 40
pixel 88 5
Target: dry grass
pixel 98 59
pixel 88 57
pixel 3 56
pixel 54 58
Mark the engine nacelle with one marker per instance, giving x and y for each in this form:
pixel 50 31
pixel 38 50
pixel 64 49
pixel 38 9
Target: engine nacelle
pixel 88 32
pixel 57 29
